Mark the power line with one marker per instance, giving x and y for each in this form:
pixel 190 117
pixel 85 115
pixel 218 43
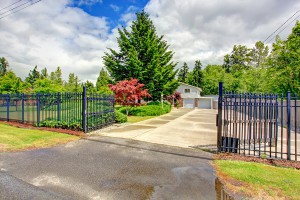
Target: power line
pixel 282 26
pixel 15 8
pixel 286 26
pixel 11 5
pixel 20 9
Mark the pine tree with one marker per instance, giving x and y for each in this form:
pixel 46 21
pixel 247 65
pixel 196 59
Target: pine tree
pixel 183 73
pixel 44 73
pixel 73 83
pixel 145 56
pixel 33 76
pixel 195 78
pixel 102 82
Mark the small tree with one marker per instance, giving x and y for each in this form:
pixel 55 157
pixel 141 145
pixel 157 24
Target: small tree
pixel 174 99
pixel 129 93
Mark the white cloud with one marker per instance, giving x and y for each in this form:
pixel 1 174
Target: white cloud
pixel 114 7
pixel 51 33
pixel 88 2
pixel 206 30
pixel 61 36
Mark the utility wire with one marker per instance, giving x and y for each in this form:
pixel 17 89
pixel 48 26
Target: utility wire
pixel 20 9
pixel 15 7
pixel 282 26
pixel 286 26
pixel 11 5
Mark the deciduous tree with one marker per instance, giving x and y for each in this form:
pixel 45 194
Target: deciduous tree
pixel 129 93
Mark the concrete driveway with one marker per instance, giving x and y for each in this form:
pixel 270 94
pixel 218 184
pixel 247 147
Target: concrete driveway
pixel 107 168
pixel 181 128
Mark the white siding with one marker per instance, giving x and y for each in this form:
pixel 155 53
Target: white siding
pixel 193 90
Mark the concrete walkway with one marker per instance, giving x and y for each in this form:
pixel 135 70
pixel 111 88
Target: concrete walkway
pixel 181 128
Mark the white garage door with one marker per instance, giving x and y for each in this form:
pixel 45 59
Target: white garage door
pixel 204 103
pixel 188 103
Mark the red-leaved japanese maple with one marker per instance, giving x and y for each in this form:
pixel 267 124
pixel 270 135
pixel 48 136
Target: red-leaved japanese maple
pixel 129 93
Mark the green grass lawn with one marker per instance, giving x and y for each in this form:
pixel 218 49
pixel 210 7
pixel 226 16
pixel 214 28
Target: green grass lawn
pixel 274 181
pixel 13 138
pixel 135 119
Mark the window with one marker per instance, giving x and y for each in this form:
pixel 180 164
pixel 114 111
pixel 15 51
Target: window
pixel 187 91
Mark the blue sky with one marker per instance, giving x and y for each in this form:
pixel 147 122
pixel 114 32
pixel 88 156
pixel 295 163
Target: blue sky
pixel 111 9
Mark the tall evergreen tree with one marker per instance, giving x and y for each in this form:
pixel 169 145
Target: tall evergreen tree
pixel 143 55
pixel 73 83
pixel 33 76
pixel 195 78
pixel 102 82
pixel 183 73
pixel 44 73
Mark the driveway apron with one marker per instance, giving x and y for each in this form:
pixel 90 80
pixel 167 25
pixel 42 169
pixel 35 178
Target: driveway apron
pixel 181 128
pixel 107 168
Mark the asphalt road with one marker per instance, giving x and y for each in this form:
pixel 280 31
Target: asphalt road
pixel 107 168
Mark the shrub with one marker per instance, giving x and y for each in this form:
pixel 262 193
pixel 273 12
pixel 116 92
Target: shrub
pixel 149 110
pixel 120 117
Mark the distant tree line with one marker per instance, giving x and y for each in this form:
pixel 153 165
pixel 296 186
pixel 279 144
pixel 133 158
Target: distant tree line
pixel 43 82
pixel 255 70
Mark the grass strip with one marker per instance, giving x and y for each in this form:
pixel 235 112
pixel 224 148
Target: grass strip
pixel 257 179
pixel 13 138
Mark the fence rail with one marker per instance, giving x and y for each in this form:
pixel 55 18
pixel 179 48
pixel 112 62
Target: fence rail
pixel 78 111
pixel 263 125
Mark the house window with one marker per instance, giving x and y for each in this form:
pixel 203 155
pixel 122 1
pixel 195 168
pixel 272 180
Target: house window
pixel 187 90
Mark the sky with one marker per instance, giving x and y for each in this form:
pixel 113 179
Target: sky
pixel 75 34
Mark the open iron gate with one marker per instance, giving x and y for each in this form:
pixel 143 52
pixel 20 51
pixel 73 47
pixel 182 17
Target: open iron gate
pixel 263 125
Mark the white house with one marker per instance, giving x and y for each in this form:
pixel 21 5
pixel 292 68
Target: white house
pixel 191 97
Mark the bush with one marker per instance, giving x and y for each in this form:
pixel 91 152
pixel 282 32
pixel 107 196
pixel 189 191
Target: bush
pixel 149 110
pixel 120 117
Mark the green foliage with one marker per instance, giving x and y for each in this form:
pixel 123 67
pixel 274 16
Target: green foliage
pixel 195 77
pixel 145 56
pixel 61 124
pixel 120 117
pixel 73 84
pixel 183 73
pixel 90 88
pixel 3 66
pixel 102 83
pixel 46 86
pixel 10 83
pixel 154 109
pixel 32 76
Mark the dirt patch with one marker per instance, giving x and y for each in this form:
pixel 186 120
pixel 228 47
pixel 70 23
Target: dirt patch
pixel 59 130
pixel 3 147
pixel 274 162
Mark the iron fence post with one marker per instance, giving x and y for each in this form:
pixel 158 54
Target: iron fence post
pixel 84 125
pixel 23 107
pixel 288 128
pixel 58 106
pixel 7 106
pixel 219 123
pixel 38 108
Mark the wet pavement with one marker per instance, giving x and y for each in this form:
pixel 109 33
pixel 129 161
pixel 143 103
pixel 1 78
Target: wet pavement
pixel 107 168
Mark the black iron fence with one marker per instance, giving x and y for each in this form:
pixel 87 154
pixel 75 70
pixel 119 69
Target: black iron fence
pixel 78 111
pixel 263 125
